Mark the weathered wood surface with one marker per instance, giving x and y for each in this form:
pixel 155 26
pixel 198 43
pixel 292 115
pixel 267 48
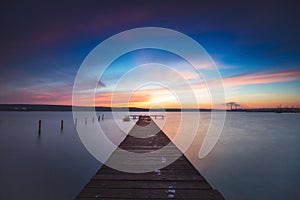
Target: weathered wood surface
pixel 179 180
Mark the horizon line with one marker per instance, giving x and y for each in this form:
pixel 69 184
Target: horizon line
pixel 68 105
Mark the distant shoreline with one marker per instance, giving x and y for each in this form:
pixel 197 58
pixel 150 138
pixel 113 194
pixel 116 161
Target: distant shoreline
pixel 42 107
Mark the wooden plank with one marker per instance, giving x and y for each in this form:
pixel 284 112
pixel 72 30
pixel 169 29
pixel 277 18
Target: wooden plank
pixel 178 180
pixel 191 171
pixel 134 176
pixel 150 193
pixel 146 184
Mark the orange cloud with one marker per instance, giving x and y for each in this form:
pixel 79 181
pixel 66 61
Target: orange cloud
pixel 148 97
pixel 123 99
pixel 38 96
pixel 262 78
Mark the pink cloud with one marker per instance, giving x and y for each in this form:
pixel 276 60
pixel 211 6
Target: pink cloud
pixel 261 78
pixel 38 95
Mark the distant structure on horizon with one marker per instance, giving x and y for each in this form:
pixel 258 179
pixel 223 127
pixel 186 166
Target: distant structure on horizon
pixel 234 106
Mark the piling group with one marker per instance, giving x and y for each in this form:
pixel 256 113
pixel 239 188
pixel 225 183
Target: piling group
pixel 75 122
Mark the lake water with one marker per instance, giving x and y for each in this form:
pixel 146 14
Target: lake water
pixel 256 157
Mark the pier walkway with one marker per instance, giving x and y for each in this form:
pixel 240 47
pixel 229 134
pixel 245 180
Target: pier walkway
pixel 154 115
pixel 179 180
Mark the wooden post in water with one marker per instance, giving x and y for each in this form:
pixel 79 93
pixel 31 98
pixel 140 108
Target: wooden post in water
pixel 98 118
pixel 76 122
pixel 62 125
pixel 85 121
pixel 40 126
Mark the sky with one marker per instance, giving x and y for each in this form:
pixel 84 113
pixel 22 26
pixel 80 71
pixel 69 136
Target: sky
pixel 254 44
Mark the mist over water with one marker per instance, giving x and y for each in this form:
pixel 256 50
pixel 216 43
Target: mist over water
pixel 256 157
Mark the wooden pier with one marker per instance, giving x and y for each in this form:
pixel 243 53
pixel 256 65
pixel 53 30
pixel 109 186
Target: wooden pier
pixel 179 180
pixel 154 115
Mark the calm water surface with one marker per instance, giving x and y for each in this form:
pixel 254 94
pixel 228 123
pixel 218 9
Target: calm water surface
pixel 256 157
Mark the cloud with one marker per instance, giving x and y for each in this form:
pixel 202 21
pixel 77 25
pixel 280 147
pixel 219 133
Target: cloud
pixel 261 78
pixel 48 30
pixel 101 84
pixel 260 95
pixel 123 99
pixel 38 96
pixel 22 88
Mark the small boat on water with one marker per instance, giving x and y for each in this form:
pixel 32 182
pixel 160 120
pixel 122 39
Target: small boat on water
pixel 126 119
